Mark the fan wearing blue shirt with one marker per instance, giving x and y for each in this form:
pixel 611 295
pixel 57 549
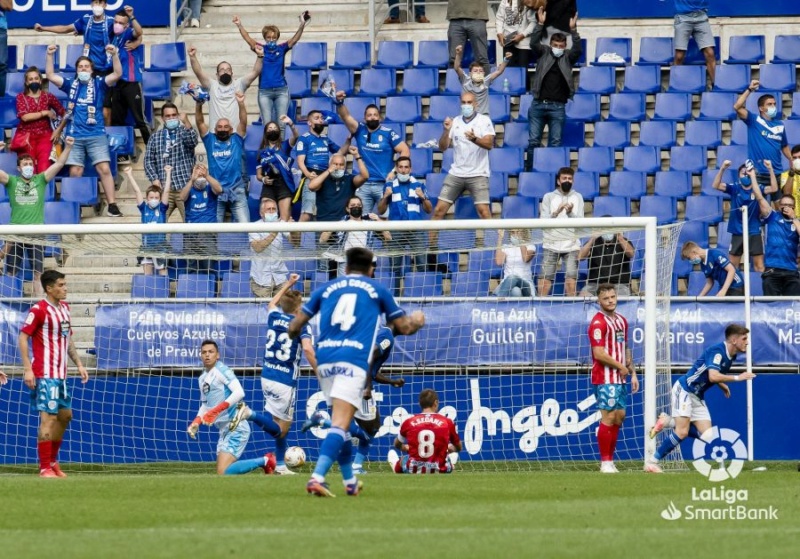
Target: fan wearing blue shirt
pixel 97 31
pixel 313 155
pixel 153 206
pixel 199 196
pixel 716 267
pixel 349 311
pixel 689 416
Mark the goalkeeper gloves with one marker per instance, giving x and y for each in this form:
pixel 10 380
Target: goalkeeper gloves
pixel 211 415
pixel 194 427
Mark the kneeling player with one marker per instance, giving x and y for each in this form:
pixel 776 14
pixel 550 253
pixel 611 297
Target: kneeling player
pixel 220 391
pixel 428 437
pixel 690 417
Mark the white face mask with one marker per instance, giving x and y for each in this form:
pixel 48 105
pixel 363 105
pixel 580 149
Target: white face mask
pixel 477 77
pixel 796 164
pixel 608 237
pixel 27 171
pixel 84 76
pixel 200 183
pixel 98 10
pixel 153 203
pixel 271 217
pixel 337 173
pixel 403 178
pixel 558 53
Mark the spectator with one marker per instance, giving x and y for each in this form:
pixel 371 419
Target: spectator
pixel 561 244
pixel 766 135
pixel 780 277
pixel 406 199
pixel 85 94
pixel 516 262
pixel 741 193
pixel 345 240
pixel 394 12
pixel 313 158
pixel 268 271
pixel 199 194
pixel 610 256
pixel 173 144
pixel 715 266
pixel 273 91
pixel 691 20
pixel 558 15
pixel 222 92
pixel 127 94
pixel 5 6
pixel 468 23
pixel 36 110
pixel 514 26
pixel 790 180
pixel 274 169
pixel 225 151
pixel 552 85
pixel 377 144
pixel 476 83
pixel 153 207
pixel 195 6
pixel 26 195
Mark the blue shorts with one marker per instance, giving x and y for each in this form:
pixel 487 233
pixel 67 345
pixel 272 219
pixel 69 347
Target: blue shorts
pixel 234 442
pixel 95 147
pixel 51 395
pixel 611 396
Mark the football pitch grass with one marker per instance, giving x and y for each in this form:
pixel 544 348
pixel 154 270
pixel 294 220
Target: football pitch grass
pixel 496 514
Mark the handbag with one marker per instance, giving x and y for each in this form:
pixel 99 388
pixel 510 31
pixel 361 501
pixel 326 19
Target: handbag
pixel 21 142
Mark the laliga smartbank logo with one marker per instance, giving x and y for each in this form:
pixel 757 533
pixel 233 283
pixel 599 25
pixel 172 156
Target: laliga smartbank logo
pixel 719 456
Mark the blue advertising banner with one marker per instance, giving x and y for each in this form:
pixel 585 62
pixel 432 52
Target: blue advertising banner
pixel 26 13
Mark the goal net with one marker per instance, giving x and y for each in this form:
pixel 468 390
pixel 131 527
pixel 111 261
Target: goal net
pixel 511 365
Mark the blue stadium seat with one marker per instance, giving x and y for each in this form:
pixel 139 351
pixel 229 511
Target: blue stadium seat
pixel 733 78
pixel 498 185
pixel 675 184
pixel 447 159
pixel 706 133
pixel 8 163
pixel 696 231
pixel 520 207
pixel 236 284
pixel 584 107
pixel 673 284
pixel 723 237
pixel 81 190
pixel 738 133
pixel 199 286
pixel 515 135
pixel 614 134
pixel 697 280
pixel 658 133
pixel 628 184
pixel 420 81
pixel 707 182
pixel 736 154
pixel 706 209
pixel 573 135
pixel 422 284
pixel 597 79
pixel 694 56
pixel 385 277
pixel 506 160
pixel 422 162
pixel 358 105
pixel 596 160
pixel 687 79
pixel 304 267
pixel 645 159
pixel 517 82
pixel 663 208
pixel 642 79
pixel 627 106
pixel 432 54
pixel 11 287
pixel 433 183
pixel 36 55
pixel 746 49
pixel 309 55
pixel 469 284
pixel 482 261
pixel 656 51
pixel 72 54
pixel 756 287
pixel 355 55
pixel 167 57
pixel 149 287
pixel 688 158
pixel 468 56
pixel 524 106
pixel 308 104
pixel 586 183
pixel 12 58
pixel 464 208
pixel 157 85
pixel 403 109
pixel 338 133
pixel 499 108
pixel 15 83
pixel 752 102
pixel 452 83
pixel 611 205
pixel 444 106
pixel 792 128
pixel 426 131
pixel 550 160
pixel 299 81
pixel 778 77
pixel 535 185
pixel 674 106
pixel 321 278
pixel 617 45
pixel 5 213
pixel 57 213
pixel 121 140
pixel 342 77
pixel 395 54
pixel 795 106
pixel 253 136
pixel 717 105
pixel 787 49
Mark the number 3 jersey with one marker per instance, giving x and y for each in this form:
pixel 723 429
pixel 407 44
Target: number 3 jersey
pixel 427 436
pixel 281 353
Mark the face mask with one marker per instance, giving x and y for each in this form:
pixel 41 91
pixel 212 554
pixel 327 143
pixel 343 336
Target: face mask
pixel 318 128
pixel 27 171
pixel 356 212
pixel 153 203
pixel 608 237
pixel 403 178
pixel 271 217
pixel 84 77
pixel 467 110
pixel 696 260
pixel 223 136
pixel 477 77
pixel 118 28
pixel 98 10
pixel 273 135
pixel 337 173
pixel 271 44
pixel 566 186
pixel 225 79
pixel 171 123
pixel 772 111
pixel 34 87
pixel 516 241
pixel 558 53
pixel 745 180
pixel 373 124
pixel 201 183
pixel 796 164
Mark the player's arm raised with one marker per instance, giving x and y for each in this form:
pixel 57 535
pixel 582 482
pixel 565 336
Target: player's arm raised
pixel 273 303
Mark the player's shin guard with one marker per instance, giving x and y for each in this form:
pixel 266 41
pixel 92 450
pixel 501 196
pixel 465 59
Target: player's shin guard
pixel 266 423
pixel 345 460
pixel 357 432
pixel 667 446
pixel 280 450
pixel 45 454
pixel 604 439
pixel 363 450
pixel 693 432
pixel 328 452
pixel 56 445
pixel 244 466
pixel 614 436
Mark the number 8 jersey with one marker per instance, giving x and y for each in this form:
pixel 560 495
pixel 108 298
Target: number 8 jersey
pixel 281 353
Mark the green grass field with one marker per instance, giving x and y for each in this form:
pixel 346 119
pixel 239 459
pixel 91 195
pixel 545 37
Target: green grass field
pixel 468 514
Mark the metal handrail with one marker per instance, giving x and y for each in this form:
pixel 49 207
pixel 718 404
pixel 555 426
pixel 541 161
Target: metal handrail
pixel 174 11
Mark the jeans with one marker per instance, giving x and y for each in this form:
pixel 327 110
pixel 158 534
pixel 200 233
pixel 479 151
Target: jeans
pixel 3 60
pixel 408 242
pixel 515 286
pixel 273 103
pixel 474 30
pixel 394 10
pixel 370 194
pixel 541 113
pixel 236 200
pixel 195 6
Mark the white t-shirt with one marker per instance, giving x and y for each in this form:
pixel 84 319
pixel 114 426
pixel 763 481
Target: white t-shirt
pixel 267 267
pixel 469 159
pixel 514 264
pixel 561 240
pixel 222 102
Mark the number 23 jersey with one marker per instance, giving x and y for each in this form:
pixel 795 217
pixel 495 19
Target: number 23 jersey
pixel 281 353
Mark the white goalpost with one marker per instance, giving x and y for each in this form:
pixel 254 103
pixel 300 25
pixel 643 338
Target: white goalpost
pixel 512 371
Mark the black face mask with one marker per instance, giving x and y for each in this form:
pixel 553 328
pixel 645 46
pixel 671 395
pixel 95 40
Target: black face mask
pixel 373 124
pixel 319 128
pixel 273 135
pixel 225 79
pixel 34 87
pixel 223 136
pixel 566 186
pixel 356 212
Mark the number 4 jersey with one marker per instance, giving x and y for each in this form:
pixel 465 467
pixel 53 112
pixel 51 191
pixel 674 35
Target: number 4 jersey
pixel 428 436
pixel 281 353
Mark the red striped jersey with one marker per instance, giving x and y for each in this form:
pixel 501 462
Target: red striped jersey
pixel 610 333
pixel 49 328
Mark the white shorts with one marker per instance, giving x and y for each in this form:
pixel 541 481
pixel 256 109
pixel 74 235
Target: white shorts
pixel 278 399
pixel 234 442
pixel 368 410
pixel 686 404
pixel 342 381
